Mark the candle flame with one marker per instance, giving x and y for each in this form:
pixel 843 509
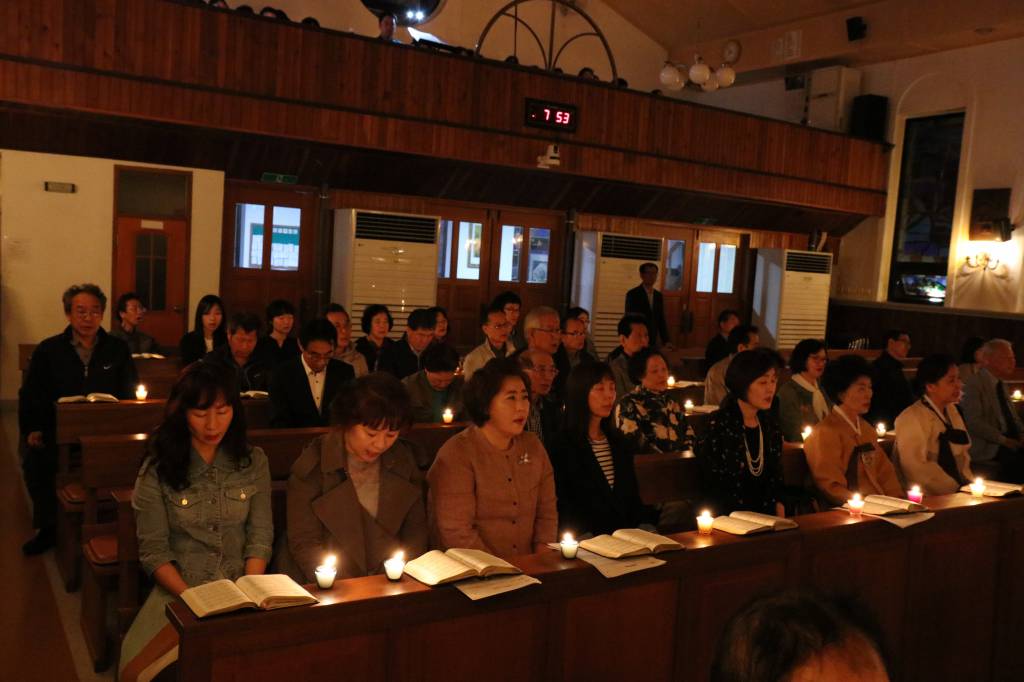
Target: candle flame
pixel 398 556
pixel 705 514
pixel 979 482
pixel 915 489
pixel 568 538
pixel 331 561
pixel 856 497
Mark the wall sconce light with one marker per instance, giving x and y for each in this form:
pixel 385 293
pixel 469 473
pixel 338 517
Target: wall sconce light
pixel 982 260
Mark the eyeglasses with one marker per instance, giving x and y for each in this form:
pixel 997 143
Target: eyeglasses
pixel 500 325
pixel 546 371
pixel 549 331
pixel 574 334
pixel 86 313
pixel 323 357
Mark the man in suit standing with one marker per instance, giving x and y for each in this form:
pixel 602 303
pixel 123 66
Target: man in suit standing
pixel 997 431
pixel 647 301
pixel 302 388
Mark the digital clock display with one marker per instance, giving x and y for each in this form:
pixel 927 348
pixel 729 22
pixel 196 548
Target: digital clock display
pixel 551 115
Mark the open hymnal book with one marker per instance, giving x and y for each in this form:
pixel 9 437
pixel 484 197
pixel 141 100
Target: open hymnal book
pixel 437 567
pixel 149 356
pixel 91 398
pixel 997 489
pixel 748 522
pixel 627 542
pixel 258 395
pixel 883 505
pixel 266 592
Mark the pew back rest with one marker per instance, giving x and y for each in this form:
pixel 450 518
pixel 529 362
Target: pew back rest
pixel 283 446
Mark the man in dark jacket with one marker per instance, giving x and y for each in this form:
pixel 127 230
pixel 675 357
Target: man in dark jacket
pixel 718 346
pixel 647 301
pixel 239 353
pixel 545 408
pixel 302 388
pixel 80 360
pixel 402 358
pixel 892 392
pixel 435 388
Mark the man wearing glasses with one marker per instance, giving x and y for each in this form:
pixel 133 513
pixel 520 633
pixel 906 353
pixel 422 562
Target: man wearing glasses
pixel 572 352
pixel 82 359
pixel 496 328
pixel 543 330
pixel 302 388
pixel 545 409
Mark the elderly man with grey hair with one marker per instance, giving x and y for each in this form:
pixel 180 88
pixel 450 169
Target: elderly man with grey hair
pixel 542 328
pixel 995 427
pixel 545 408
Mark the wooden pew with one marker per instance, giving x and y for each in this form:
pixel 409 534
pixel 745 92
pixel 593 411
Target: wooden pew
pixel 936 588
pixel 157 374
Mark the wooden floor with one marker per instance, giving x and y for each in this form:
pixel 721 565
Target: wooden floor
pixel 41 638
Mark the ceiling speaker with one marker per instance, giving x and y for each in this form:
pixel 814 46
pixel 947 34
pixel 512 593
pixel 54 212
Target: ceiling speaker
pixel 856 29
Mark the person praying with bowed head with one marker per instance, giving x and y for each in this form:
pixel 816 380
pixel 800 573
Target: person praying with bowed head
pixel 496 328
pixel 491 486
pixel 436 387
pixel 202 506
pixel 129 315
pixel 80 360
pixel 278 345
pixel 510 303
pixel 209 331
pixel 303 388
pixel 343 350
pixel 893 392
pixel 357 492
pixel 740 453
pixel 376 323
pixel 802 402
pixel 932 446
pixel 633 338
pixel 403 357
pixel 800 636
pixel 441 325
pixel 842 451
pixel 239 354
pixel 743 337
pixel 718 346
pixel 649 414
pixel 543 330
pixel 594 475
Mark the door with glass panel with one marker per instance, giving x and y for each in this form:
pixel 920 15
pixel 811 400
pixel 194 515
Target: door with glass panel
pixel 462 270
pixel 715 283
pixel 526 257
pixel 675 284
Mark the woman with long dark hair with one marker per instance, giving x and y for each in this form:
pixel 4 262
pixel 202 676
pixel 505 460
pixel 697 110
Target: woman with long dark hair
pixel 202 506
pixel 593 462
pixel 209 330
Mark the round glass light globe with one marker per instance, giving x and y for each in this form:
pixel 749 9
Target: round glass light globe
pixel 711 84
pixel 700 73
pixel 670 76
pixel 725 75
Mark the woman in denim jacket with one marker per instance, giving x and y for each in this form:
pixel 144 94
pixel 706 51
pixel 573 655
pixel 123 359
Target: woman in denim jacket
pixel 202 507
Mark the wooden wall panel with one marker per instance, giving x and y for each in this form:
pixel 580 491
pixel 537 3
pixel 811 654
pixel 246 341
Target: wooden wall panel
pixel 222 70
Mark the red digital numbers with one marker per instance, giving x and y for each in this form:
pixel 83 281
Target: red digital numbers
pixel 562 117
pixel 547 114
pixel 551 115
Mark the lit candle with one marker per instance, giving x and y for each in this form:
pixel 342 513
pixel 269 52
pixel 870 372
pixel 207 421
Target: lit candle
pixel 141 392
pixel 671 381
pixel 569 546
pixel 806 433
pixel 1017 395
pixel 880 429
pixel 915 494
pixel 395 566
pixel 688 406
pixel 705 522
pixel 978 487
pixel 856 504
pixel 447 417
pixel 326 572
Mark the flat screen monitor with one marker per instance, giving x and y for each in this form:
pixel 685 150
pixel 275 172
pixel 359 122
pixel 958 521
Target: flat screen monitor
pixel 930 288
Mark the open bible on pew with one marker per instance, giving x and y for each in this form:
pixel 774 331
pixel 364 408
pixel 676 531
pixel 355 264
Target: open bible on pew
pixel 627 542
pixel 148 356
pixel 265 592
pixel 998 489
pixel 90 398
pixel 883 505
pixel 748 522
pixel 255 395
pixel 471 570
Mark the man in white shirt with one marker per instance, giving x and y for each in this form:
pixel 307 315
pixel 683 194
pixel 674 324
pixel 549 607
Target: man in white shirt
pixel 302 388
pixel 496 328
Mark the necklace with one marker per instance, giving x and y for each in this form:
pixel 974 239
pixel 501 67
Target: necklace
pixel 755 465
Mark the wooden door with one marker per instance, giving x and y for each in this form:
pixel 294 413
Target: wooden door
pixel 463 269
pixel 676 267
pixel 715 267
pixel 256 270
pixel 151 259
pixel 526 255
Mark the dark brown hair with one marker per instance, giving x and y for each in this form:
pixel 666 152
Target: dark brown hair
pixel 486 383
pixel 375 400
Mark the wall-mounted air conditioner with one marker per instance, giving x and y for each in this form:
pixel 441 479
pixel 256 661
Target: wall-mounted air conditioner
pixel 791 291
pixel 384 258
pixel 606 267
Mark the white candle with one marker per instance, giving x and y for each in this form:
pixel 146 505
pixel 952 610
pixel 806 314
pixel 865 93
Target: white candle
pixel 880 429
pixel 671 381
pixel 688 406
pixel 569 546
pixel 326 572
pixel 705 522
pixel 856 504
pixel 1017 395
pixel 978 487
pixel 395 566
pixel 806 433
pixel 915 494
pixel 447 417
pixel 141 392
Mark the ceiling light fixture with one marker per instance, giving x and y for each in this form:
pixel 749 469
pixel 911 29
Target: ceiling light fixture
pixel 699 75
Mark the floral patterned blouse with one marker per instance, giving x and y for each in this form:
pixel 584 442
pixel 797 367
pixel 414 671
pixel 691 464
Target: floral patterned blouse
pixel 654 418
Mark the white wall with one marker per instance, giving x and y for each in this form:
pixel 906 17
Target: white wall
pixel 49 241
pixel 460 22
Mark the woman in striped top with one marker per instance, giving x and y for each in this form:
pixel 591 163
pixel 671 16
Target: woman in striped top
pixel 594 475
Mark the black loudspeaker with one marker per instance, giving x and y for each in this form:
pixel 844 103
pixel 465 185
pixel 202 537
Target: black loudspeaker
pixel 869 116
pixel 856 29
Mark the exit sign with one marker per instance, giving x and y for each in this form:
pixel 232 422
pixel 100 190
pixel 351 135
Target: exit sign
pixel 279 178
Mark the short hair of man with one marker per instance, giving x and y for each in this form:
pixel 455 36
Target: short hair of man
pixel 931 370
pixel 123 300
pixel 376 400
pixel 646 266
pixel 971 346
pixel 440 357
pixel 726 314
pixel 422 318
pixel 747 367
pixel 492 307
pixel 318 329
pixel 486 383
pixel 279 307
pixel 740 336
pixel 802 352
pixel 894 335
pixel 335 308
pixel 773 636
pixel 506 297
pixel 373 311
pixel 841 373
pixel 625 327
pixel 637 364
pixel 246 322
pixel 87 288
pixel 527 357
pixel 993 346
pixel 533 318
